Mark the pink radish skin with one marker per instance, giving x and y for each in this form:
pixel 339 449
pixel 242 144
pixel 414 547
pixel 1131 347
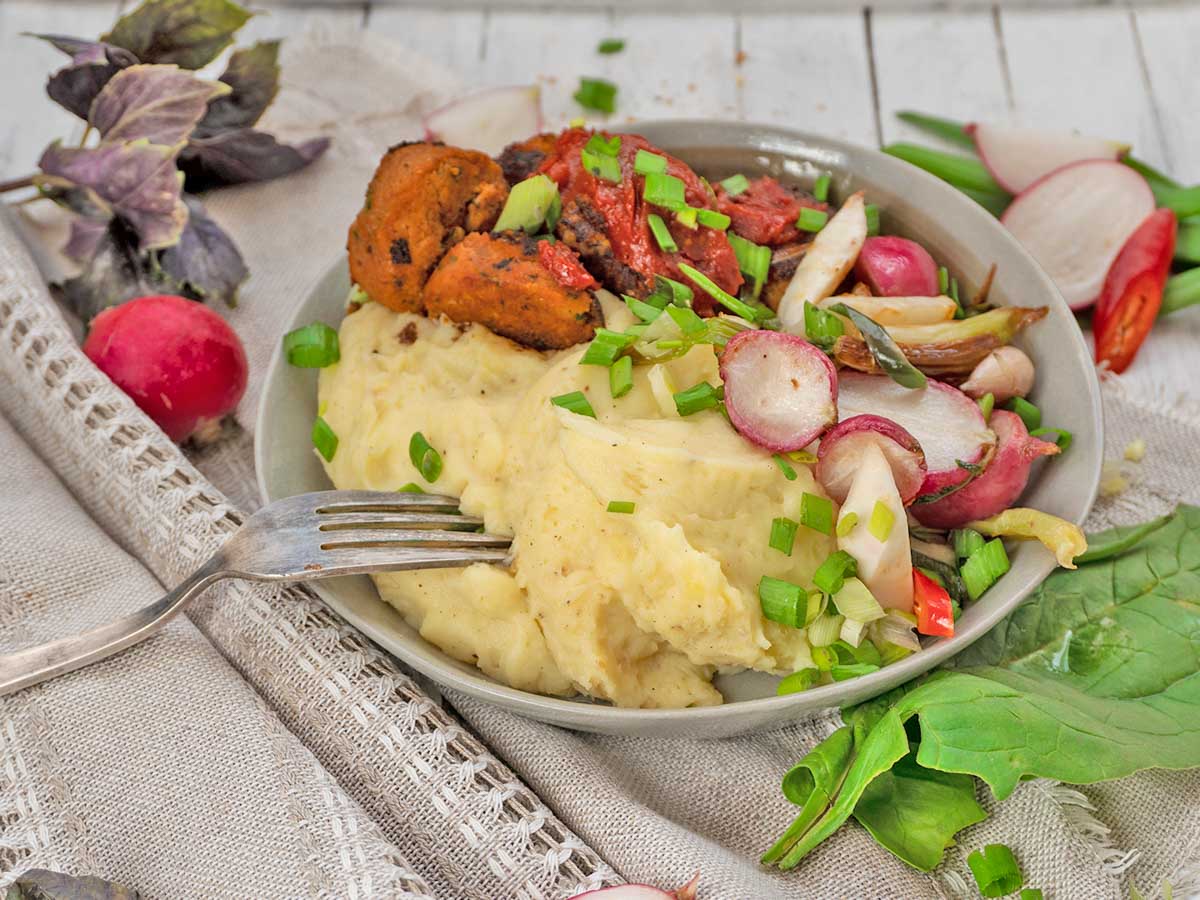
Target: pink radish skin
pixel 1000 485
pixel 176 359
pixel 1017 157
pixel 780 391
pixel 1075 221
pixel 841 451
pixel 488 120
pixel 644 892
pixel 947 424
pixel 896 267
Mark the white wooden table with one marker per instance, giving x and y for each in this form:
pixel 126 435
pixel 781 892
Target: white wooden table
pixel 1114 71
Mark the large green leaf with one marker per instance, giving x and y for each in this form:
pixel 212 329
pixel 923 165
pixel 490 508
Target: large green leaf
pixel 189 33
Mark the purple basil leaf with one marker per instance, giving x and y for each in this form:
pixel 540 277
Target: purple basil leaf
pixel 235 157
pixel 116 272
pixel 205 264
pixel 189 33
pixel 93 63
pixel 159 103
pixel 42 884
pixel 86 235
pixel 253 74
pixel 136 178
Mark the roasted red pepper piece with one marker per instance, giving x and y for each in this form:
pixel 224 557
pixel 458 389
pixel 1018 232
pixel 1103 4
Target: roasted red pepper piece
pixel 563 263
pixel 1133 289
pixel 931 603
pixel 766 211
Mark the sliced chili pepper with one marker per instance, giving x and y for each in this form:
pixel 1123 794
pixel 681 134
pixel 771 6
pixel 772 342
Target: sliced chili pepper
pixel 1133 290
pixel 931 603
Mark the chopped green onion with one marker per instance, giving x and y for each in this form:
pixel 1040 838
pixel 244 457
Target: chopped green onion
pixel 687 320
pixel 1062 437
pixel 891 653
pixel 856 602
pixel 943 280
pixel 822 632
pixel 314 346
pixel 817 601
pixel 662 234
pixel 735 184
pixel 954 291
pixel 636 331
pixel 598 143
pixel 620 377
pixel 754 260
pixel 621 506
pixel 1030 414
pixel 696 398
pixel 680 293
pixel 785 467
pixel 710 218
pixel 647 312
pixel 884 349
pixel 811 219
pixel 984 567
pixel 824 657
pixel 411 488
pixel 605 347
pixel 966 541
pixel 848 653
pixel 816 513
pixel 783 535
pixel 730 302
pixel 797 682
pixel 995 870
pixel 986 403
pixel 872 213
pixel 688 218
pixel 881 521
pixel 574 402
pixel 665 190
pixel 528 205
pixel 831 575
pixel 782 601
pixel 646 163
pixel 846 524
pixel 357 296
pixel 803 457
pixel 853 670
pixel 820 189
pixel 601 165
pixel 852 632
pixel 821 327
pixel 427 460
pixel 610 45
pixel 596 93
pixel 324 439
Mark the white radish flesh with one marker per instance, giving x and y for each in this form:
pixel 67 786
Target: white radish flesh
pixel 898 310
pixel 829 259
pixel 842 448
pixel 885 567
pixel 947 423
pixel 489 120
pixel 780 390
pixel 897 267
pixel 1017 157
pixel 628 892
pixel 1075 221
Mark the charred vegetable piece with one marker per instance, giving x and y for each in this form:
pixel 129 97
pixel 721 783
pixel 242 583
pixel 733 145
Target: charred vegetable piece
pixel 522 159
pixel 889 357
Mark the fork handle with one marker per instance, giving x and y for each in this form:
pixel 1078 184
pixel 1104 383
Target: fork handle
pixel 23 668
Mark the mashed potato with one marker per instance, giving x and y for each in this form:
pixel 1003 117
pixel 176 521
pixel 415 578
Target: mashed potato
pixel 637 609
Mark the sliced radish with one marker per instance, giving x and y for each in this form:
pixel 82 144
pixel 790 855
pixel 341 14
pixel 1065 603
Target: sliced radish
pixel 884 566
pixel 897 267
pixel 898 310
pixel 829 259
pixel 1001 483
pixel 1017 157
pixel 947 423
pixel 489 120
pixel 645 892
pixel 780 391
pixel 1075 221
pixel 842 448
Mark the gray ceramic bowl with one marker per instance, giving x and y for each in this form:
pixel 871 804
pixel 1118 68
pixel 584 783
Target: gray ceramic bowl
pixel 956 231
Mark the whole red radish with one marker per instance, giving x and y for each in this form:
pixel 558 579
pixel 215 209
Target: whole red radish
pixel 1001 483
pixel 897 267
pixel 1132 293
pixel 178 361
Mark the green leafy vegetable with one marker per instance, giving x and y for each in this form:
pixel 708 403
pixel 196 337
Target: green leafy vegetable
pixel 244 155
pixel 188 33
pixel 426 460
pixel 946 129
pixel 1118 540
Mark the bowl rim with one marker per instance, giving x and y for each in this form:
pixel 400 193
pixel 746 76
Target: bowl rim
pixel 603 717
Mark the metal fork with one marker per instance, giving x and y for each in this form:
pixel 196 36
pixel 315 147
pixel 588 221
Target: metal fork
pixel 308 536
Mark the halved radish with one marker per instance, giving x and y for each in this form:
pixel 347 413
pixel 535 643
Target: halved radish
pixel 1001 483
pixel 1017 157
pixel 897 267
pixel 1075 221
pixel 897 310
pixel 947 423
pixel 829 259
pixel 645 892
pixel 840 455
pixel 489 120
pixel 884 566
pixel 780 391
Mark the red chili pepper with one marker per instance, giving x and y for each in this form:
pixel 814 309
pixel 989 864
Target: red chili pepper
pixel 1133 289
pixel 931 603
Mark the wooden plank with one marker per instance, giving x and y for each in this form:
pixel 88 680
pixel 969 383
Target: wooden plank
pixel 1081 70
pixel 31 119
pixel 1168 41
pixel 808 72
pixel 454 38
pixel 947 64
